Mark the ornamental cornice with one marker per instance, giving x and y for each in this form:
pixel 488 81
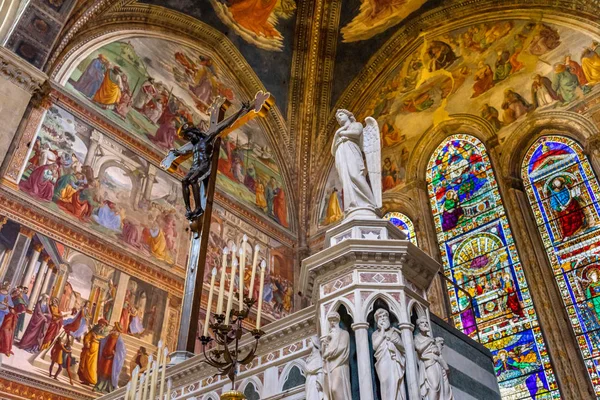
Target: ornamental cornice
pixel 20 72
pixel 15 383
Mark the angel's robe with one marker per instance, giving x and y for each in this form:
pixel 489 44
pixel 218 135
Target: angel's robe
pixel 351 167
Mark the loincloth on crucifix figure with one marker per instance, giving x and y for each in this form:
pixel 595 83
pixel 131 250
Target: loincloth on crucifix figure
pixel 201 146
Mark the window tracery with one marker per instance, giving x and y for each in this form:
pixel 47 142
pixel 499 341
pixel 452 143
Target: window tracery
pixel 403 223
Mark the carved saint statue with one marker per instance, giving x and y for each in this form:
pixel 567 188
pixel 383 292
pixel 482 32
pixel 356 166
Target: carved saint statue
pixel 349 143
pixel 433 369
pixel 314 372
pixel 391 361
pixel 337 360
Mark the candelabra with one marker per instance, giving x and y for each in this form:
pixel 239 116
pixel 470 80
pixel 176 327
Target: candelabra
pixel 228 328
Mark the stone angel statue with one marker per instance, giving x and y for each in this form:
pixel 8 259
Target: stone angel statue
pixel 351 140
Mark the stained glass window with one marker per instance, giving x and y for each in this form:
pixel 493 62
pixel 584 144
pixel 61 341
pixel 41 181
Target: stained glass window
pixel 479 255
pixel 563 192
pixel 404 224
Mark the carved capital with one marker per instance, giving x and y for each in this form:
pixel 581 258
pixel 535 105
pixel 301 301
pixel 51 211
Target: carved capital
pixel 46 258
pixel 514 183
pixel 20 72
pixel 38 247
pixel 360 325
pixel 25 231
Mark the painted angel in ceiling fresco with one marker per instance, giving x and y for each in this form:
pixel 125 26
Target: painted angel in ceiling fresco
pixel 256 20
pixel 376 16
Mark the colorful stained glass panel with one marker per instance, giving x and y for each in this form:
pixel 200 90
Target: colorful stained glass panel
pixel 480 256
pixel 404 224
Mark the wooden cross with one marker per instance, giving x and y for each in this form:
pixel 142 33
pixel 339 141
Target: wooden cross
pixel 192 295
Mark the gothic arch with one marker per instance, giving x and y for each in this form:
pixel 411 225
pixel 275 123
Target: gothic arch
pixel 300 364
pixel 369 305
pixel 258 386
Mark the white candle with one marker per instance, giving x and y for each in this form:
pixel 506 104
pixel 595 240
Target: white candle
pixel 222 282
pixel 230 294
pixel 263 265
pixel 164 369
pixel 134 379
pixel 127 392
pixel 147 379
pixel 254 262
pixel 169 384
pixel 154 379
pixel 140 394
pixel 242 270
pixel 209 305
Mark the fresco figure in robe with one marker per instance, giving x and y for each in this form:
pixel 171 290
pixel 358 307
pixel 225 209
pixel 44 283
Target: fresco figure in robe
pixel 334 211
pixel 542 92
pixel 7 330
pixel 77 325
pixel 590 63
pixel 111 358
pixel 565 203
pixel 41 181
pixel 565 83
pixel 55 323
pixel 6 302
pixel 88 365
pixel 111 89
pixel 21 301
pixel 36 329
pixel 90 81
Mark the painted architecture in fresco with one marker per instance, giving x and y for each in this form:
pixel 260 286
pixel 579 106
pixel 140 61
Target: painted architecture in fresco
pixel 227 230
pixel 63 310
pixel 83 175
pixel 154 95
pixel 256 21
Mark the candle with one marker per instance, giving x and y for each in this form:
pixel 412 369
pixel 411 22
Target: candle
pixel 154 378
pixel 230 294
pixel 242 269
pixel 210 297
pixel 140 394
pixel 222 282
pixel 254 262
pixel 147 379
pixel 127 392
pixel 263 265
pixel 134 379
pixel 169 384
pixel 164 369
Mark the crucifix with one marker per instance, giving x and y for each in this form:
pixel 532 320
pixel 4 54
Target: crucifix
pixel 199 184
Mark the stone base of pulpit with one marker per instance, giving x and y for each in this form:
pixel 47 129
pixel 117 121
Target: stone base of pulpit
pixel 370 264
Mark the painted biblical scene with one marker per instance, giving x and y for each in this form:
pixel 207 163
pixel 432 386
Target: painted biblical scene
pixel 249 173
pixel 376 16
pixel 151 87
pixel 480 257
pixel 563 191
pixel 227 230
pixel 256 21
pixel 332 205
pixel 69 320
pixel 502 71
pixel 78 173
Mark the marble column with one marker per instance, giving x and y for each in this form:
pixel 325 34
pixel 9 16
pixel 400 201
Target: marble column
pixel 35 255
pixel 119 298
pixel 149 182
pixel 39 279
pixel 363 355
pixel 49 275
pixel 412 373
pixel 92 147
pixel 59 282
pixel 15 267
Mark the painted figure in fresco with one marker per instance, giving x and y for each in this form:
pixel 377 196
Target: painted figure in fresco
pixel 389 174
pixel 349 143
pixel 154 237
pixel 7 331
pixel 77 326
pixel 201 145
pixel 452 211
pixel 270 194
pixel 6 302
pixel 565 83
pixel 36 330
pixel 145 94
pixel 90 81
pixel 40 183
pixel 109 93
pixel 260 199
pixel 108 216
pixel 336 354
pixel 334 211
pixel 70 199
pixel 576 70
pixel 135 322
pixel 542 92
pixel 565 203
pixel 433 369
pixel 590 63
pixel 514 106
pixel 61 355
pixel 441 55
pixel 491 115
pixel 55 322
pixel 254 15
pixel 110 298
pixel 503 66
pixel 484 79
pixel 140 360
pixel 88 366
pixel 111 358
pixel 21 301
pixel 279 207
pixel 546 39
pixel 390 356
pixel 124 104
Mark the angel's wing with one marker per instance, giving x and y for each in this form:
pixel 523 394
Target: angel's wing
pixel 372 148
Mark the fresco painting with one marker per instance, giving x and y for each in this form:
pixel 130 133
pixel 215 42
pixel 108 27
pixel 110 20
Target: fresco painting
pixel 152 93
pixel 72 320
pixel 86 177
pixel 256 20
pixel 227 230
pixel 500 71
pixel 376 16
pixel 332 205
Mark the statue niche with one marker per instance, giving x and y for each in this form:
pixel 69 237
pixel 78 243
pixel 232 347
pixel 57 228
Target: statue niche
pixel 390 357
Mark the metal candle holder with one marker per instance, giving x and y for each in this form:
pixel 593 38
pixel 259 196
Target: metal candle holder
pixel 227 356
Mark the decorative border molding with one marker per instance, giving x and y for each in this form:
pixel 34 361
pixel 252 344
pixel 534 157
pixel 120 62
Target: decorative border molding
pixel 20 72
